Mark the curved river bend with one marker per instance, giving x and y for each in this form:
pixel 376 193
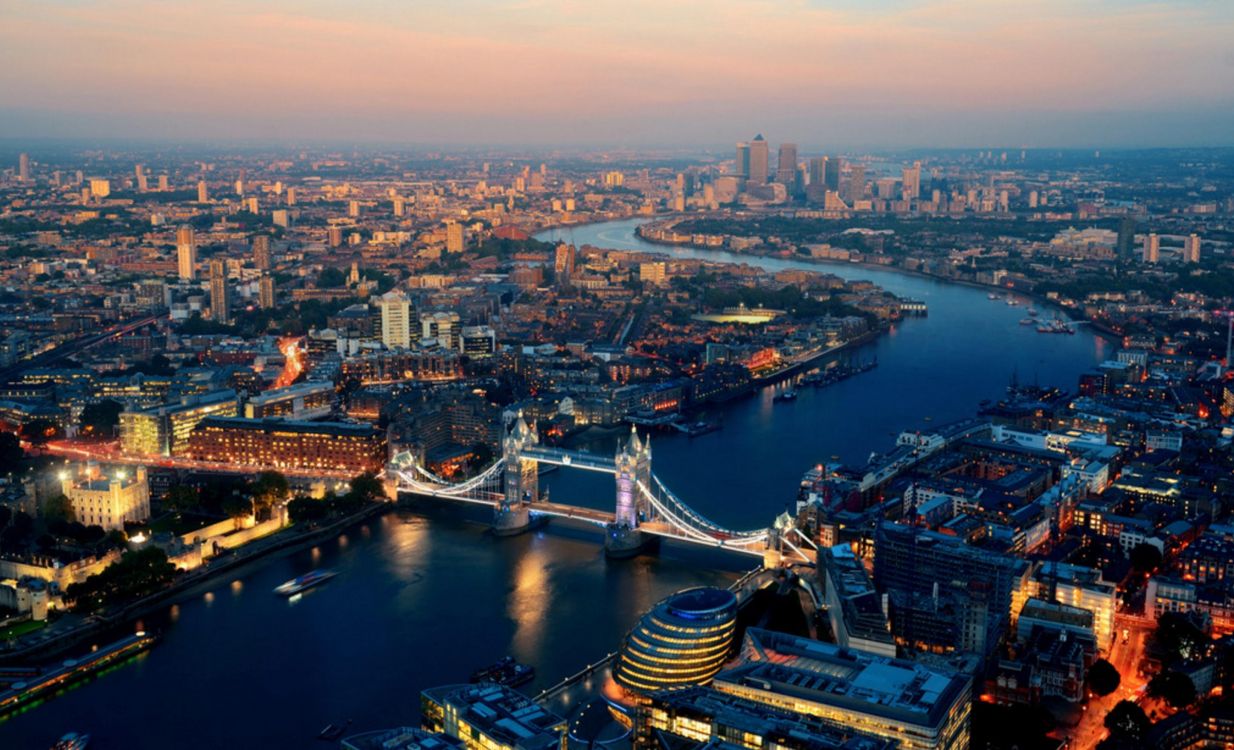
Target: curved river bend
pixel 422 601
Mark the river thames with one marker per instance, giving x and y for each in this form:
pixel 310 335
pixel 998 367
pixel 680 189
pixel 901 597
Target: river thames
pixel 424 599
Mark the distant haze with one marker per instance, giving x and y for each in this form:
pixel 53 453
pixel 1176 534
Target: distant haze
pixel 828 73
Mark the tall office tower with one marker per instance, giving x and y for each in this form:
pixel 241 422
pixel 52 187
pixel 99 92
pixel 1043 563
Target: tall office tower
pixel 23 167
pixel 786 166
pixel 143 182
pixel 910 182
pixel 291 196
pixel 261 252
pixel 395 320
pixel 1191 248
pixel 456 237
pixel 856 183
pixel 220 294
pixel 186 253
pixel 563 263
pixel 743 160
pixel 203 192
pixel 140 172
pixel 353 209
pixel 759 158
pixel 240 186
pixel 334 235
pixel 251 204
pixel 1126 237
pixel 400 205
pixel 265 291
pixel 832 176
pixel 818 170
pixel 1152 248
pixel 99 187
pixel 163 183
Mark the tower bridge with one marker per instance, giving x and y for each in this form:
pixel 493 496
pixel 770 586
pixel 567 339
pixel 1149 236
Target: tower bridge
pixel 644 508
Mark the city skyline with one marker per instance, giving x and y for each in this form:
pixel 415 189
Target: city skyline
pixel 890 74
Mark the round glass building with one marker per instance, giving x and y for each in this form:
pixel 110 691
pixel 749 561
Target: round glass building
pixel 683 640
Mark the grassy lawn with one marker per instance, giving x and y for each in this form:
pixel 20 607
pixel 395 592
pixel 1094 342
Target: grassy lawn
pixel 17 630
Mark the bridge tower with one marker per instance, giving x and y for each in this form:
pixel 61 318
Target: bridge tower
pixel 623 538
pixel 522 481
pixel 773 553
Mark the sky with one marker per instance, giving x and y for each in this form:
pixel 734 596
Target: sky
pixel 822 73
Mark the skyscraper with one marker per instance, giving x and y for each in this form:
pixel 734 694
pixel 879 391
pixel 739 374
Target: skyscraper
pixel 395 320
pixel 220 293
pixel 265 291
pixel 786 166
pixel 563 263
pixel 818 170
pixel 456 237
pixel 910 182
pixel 1191 249
pixel 261 252
pixel 759 157
pixel 856 183
pixel 203 192
pixel 23 167
pixel 743 160
pixel 832 176
pixel 186 253
pixel 1152 248
pixel 1126 237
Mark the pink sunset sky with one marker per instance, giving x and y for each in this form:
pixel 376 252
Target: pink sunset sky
pixel 675 72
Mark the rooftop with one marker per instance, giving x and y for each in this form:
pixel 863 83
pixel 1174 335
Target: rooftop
pixel 895 689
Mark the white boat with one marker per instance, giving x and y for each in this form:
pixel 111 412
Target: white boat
pixel 304 582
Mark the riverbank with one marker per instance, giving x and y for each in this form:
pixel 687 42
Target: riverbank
pixel 1035 297
pixel 281 543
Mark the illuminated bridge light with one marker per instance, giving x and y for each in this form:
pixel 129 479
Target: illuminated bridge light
pixel 683 640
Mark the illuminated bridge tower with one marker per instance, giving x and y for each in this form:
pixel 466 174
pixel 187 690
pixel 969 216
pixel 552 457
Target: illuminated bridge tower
pixel 522 481
pixel 622 538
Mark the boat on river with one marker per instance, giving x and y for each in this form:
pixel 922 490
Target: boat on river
pixel 505 671
pixel 304 582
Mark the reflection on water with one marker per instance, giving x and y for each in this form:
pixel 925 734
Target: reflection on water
pixel 527 601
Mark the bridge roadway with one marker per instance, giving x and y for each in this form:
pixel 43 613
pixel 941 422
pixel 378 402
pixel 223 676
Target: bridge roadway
pixel 752 547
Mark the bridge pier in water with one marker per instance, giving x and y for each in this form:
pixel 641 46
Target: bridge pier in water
pixel 622 537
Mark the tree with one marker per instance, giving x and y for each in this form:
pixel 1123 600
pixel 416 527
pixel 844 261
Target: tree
pixel 58 508
pixel 330 277
pixel 237 507
pixel 366 488
pixel 11 453
pixel 1174 687
pixel 1145 557
pixel 270 488
pixel 134 575
pixel 100 418
pixel 1103 678
pixel 1127 721
pixel 1178 635
pixel 181 498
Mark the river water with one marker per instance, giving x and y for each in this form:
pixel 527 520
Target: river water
pixel 423 598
